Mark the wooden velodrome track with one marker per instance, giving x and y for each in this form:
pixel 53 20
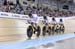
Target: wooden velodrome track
pixel 15 30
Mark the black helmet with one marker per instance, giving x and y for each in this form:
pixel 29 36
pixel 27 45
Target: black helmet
pixel 61 20
pixel 53 19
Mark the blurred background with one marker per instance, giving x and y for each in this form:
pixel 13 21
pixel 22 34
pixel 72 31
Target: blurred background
pixel 55 8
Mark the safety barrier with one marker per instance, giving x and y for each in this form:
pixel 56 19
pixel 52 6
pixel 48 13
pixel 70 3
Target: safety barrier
pixel 25 17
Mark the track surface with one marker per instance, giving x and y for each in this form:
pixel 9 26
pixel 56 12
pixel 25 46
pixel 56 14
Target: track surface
pixel 15 30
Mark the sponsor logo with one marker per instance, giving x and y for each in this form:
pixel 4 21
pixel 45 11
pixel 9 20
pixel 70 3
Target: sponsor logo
pixel 4 14
pixel 16 16
pixel 24 17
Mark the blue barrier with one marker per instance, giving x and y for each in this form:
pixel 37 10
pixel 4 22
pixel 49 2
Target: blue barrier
pixel 36 42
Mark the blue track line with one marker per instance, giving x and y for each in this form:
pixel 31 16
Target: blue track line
pixel 36 42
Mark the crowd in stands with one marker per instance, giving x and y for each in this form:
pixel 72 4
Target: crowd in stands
pixel 41 11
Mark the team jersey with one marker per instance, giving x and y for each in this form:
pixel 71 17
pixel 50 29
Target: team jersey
pixel 60 22
pixel 53 22
pixel 35 18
